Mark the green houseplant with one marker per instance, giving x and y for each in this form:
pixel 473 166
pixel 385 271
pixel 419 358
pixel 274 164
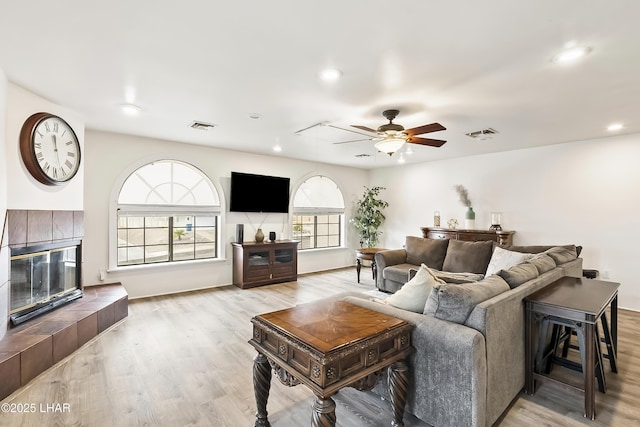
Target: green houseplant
pixel 368 216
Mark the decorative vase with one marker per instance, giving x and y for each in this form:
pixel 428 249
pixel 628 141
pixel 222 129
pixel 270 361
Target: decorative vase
pixel 259 236
pixel 469 219
pixel 436 219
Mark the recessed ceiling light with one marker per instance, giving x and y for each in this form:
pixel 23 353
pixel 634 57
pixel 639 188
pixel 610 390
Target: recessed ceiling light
pixel 330 74
pixel 130 109
pixel 277 148
pixel 571 54
pixel 614 127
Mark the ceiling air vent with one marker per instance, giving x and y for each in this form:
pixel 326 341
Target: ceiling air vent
pixel 483 134
pixel 201 125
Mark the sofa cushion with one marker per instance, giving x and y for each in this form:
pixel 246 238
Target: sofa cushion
pixel 468 257
pixel 459 278
pixel 503 259
pixel 562 254
pixel 543 263
pixel 535 249
pixel 413 295
pixel 398 272
pixel 428 251
pixel 518 274
pixel 454 303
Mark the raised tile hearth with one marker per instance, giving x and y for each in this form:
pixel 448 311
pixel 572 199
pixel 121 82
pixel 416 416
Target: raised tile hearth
pixel 33 347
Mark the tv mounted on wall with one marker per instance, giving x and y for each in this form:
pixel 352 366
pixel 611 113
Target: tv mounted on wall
pixel 259 193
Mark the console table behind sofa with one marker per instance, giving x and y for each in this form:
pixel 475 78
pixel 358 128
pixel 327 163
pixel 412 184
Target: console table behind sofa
pixel 503 238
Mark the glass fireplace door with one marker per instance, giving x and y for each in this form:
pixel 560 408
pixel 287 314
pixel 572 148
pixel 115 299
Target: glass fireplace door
pixel 40 276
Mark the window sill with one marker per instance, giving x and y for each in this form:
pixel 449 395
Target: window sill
pixel 165 265
pixel 337 248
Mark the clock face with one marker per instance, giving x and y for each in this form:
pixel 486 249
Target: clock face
pixel 50 148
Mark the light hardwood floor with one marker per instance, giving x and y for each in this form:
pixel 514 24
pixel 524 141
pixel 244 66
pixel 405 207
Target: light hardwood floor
pixel 183 360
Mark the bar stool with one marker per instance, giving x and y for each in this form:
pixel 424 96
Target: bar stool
pixel 561 333
pixel 565 339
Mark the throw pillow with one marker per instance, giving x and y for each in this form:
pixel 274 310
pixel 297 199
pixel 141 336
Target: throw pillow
pixel 412 296
pixel 543 263
pixel 468 257
pixel 518 274
pixel 503 259
pixel 428 251
pixel 455 302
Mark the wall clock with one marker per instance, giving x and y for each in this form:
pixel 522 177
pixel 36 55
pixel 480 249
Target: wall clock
pixel 49 148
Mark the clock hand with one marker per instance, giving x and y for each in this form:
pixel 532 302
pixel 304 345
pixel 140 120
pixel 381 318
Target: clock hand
pixel 55 149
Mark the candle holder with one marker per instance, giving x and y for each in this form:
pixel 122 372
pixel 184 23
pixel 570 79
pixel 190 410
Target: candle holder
pixel 436 219
pixel 496 219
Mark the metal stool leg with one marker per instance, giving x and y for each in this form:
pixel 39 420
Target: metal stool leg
pixel 602 384
pixel 611 352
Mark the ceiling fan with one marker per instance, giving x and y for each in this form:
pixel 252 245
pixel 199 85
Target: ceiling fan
pixel 391 136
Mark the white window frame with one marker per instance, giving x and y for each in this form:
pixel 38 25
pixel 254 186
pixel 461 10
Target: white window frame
pixel 316 211
pixel 162 210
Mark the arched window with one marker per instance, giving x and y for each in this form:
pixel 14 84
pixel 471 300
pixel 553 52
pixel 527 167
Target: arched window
pixel 318 214
pixel 168 211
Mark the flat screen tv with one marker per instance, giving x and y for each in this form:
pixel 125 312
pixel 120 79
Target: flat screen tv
pixel 258 193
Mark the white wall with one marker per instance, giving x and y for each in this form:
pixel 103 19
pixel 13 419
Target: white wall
pixel 18 189
pixel 583 193
pixel 4 251
pixel 109 157
pixel 24 192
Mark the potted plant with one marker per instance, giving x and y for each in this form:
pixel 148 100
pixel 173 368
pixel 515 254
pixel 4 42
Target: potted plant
pixel 368 216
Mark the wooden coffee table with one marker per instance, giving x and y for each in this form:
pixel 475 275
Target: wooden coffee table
pixel 327 347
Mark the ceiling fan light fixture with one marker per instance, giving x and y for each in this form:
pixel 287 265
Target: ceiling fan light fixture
pixel 390 144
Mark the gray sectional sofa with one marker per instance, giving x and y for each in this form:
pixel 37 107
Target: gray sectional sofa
pixel 469 362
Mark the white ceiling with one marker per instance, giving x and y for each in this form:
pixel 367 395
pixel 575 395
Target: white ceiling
pixel 468 65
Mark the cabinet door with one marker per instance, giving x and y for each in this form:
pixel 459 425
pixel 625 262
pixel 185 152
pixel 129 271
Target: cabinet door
pixel 283 262
pixel 257 265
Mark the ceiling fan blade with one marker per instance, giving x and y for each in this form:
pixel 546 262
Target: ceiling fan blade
pixel 353 140
pixel 345 129
pixel 433 127
pixel 365 128
pixel 425 141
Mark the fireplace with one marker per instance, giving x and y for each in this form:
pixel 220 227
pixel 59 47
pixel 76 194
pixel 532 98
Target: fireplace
pixel 43 277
